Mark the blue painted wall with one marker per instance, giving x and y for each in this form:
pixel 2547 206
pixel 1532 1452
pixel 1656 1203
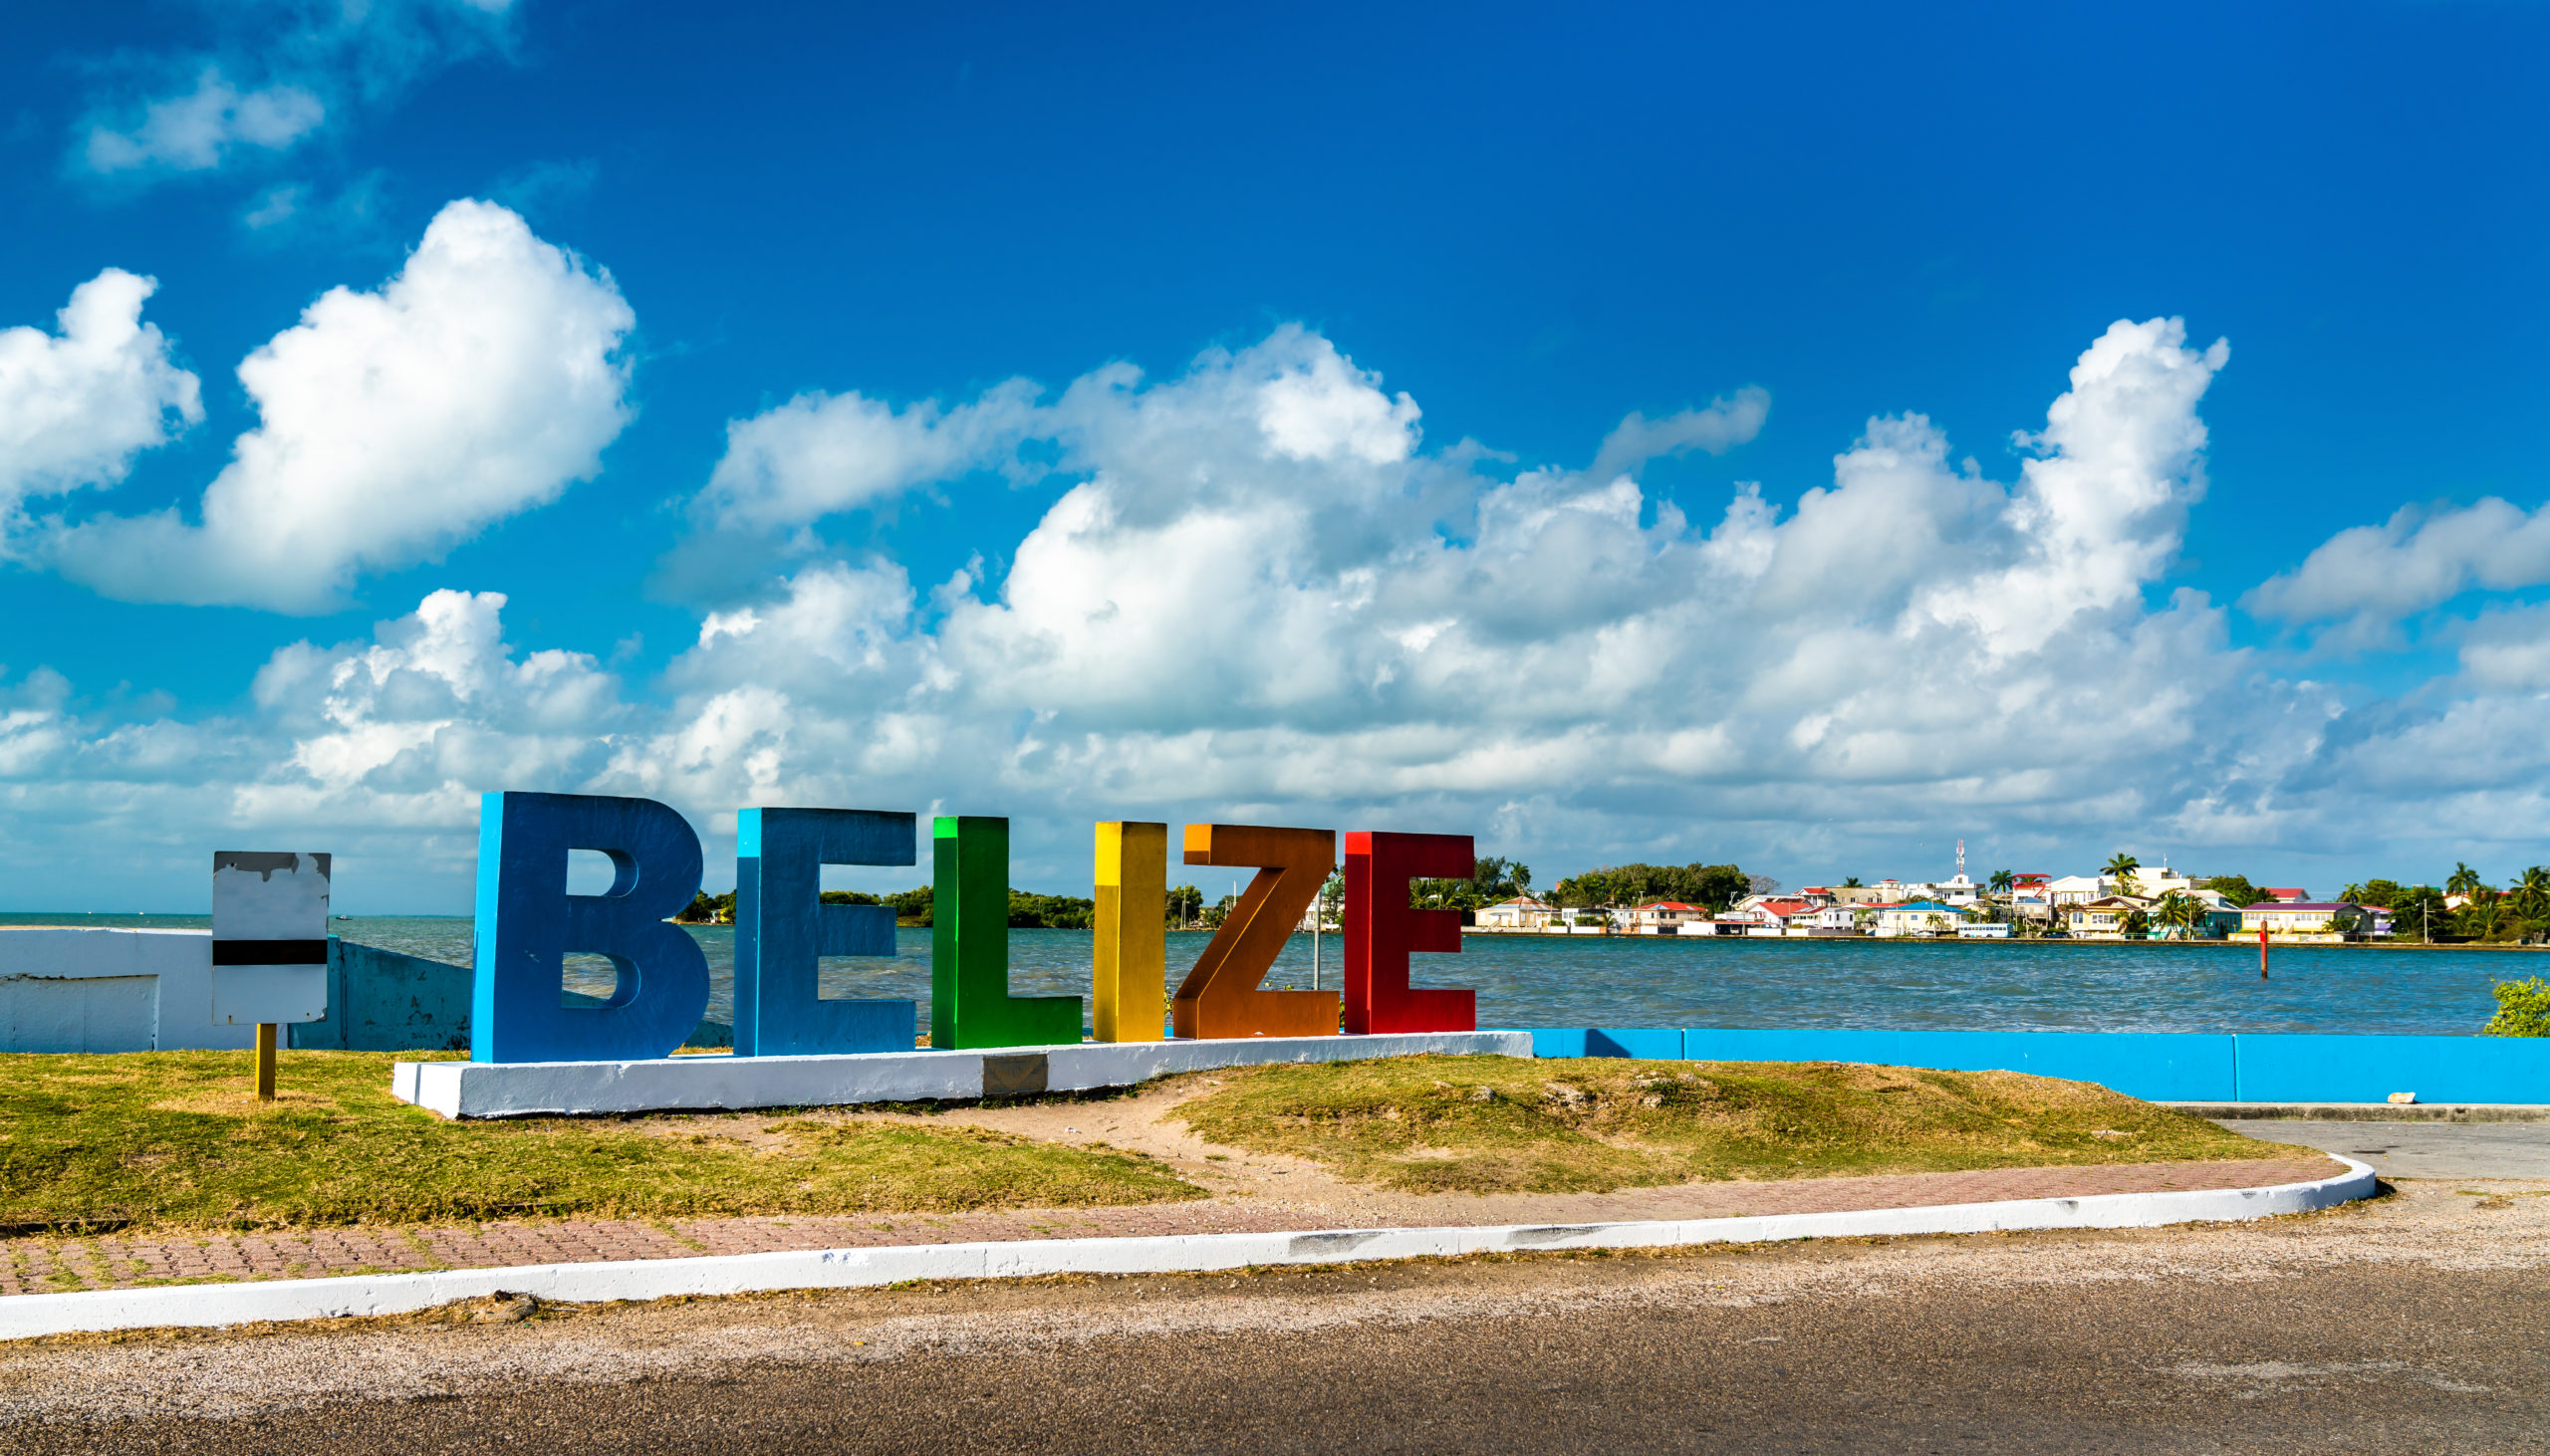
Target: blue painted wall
pixel 2154 1065
pixel 383 1001
pixel 2309 1068
pixel 1667 1044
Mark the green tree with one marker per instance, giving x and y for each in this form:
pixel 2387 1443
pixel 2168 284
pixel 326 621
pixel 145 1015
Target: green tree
pixel 2529 899
pixel 1050 913
pixel 2523 1010
pixel 2235 888
pixel 2417 912
pixel 2180 912
pixel 2001 882
pixel 911 907
pixel 1853 883
pixel 1185 906
pixel 2463 880
pixel 2119 867
pixel 1714 886
pixel 2488 918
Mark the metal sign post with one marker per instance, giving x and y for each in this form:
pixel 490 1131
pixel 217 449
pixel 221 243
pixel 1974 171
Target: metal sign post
pixel 269 946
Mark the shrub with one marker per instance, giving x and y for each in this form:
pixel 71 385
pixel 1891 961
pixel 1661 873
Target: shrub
pixel 2523 1010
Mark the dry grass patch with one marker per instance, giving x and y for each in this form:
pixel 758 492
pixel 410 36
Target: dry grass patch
pixel 162 1140
pixel 1497 1124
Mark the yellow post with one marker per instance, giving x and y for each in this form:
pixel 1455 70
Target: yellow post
pixel 266 1032
pixel 1130 964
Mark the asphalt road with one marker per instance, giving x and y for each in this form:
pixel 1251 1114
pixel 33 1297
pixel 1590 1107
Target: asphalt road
pixel 2413 1324
pixel 2421 1149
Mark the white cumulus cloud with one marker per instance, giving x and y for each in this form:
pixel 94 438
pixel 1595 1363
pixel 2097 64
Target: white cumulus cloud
pixel 822 453
pixel 1262 597
pixel 76 405
pixel 196 129
pixel 2368 579
pixel 480 382
pixel 275 73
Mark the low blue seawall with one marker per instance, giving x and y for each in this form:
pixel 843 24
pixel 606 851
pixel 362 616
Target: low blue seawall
pixel 2160 1066
pixel 384 1000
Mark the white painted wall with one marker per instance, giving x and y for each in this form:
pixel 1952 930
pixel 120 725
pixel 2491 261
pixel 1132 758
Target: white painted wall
pixel 78 989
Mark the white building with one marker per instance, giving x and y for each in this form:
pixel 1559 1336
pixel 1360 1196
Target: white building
pixel 1918 917
pixel 1662 917
pixel 1523 912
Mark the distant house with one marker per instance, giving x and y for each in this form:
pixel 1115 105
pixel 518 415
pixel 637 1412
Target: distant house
pixel 1662 917
pixel 2152 882
pixel 2288 896
pixel 2074 889
pixel 2316 920
pixel 2103 918
pixel 2222 917
pixel 1918 917
pixel 1523 912
pixel 1769 911
pixel 1843 919
pixel 2034 881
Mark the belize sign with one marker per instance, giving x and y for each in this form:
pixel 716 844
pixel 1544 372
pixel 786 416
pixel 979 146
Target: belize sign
pixel 528 924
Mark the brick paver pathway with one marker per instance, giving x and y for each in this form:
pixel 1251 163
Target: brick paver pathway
pixel 114 1261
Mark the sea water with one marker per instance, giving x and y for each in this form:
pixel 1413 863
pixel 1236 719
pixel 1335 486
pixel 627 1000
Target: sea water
pixel 1665 981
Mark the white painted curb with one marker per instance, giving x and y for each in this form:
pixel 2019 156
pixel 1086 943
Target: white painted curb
pixel 24 1316
pixel 703 1084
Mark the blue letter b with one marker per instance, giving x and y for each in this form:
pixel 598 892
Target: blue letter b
pixel 527 923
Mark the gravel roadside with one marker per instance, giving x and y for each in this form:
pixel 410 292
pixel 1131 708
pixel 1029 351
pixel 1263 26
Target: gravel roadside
pixel 2419 1313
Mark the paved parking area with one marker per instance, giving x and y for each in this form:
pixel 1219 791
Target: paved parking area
pixel 2421 1149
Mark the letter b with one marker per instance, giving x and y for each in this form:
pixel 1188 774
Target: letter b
pixel 527 924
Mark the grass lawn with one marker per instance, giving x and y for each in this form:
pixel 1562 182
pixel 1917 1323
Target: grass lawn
pixel 1495 1125
pixel 177 1139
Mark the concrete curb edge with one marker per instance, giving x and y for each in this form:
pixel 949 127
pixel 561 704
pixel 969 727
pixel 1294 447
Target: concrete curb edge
pixel 26 1316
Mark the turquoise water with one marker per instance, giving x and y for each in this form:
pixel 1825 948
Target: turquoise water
pixel 1531 981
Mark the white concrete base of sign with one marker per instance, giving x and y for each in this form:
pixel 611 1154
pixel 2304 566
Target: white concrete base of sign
pixel 24 1316
pixel 704 1084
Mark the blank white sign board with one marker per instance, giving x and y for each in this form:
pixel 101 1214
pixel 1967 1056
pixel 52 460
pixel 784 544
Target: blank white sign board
pixel 269 938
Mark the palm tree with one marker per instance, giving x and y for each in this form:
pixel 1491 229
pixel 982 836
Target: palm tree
pixel 2531 896
pixel 2532 892
pixel 2001 882
pixel 2486 917
pixel 1852 883
pixel 2121 868
pixel 2180 912
pixel 2465 881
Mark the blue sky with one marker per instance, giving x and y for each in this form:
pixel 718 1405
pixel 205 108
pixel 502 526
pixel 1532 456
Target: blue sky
pixel 691 333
